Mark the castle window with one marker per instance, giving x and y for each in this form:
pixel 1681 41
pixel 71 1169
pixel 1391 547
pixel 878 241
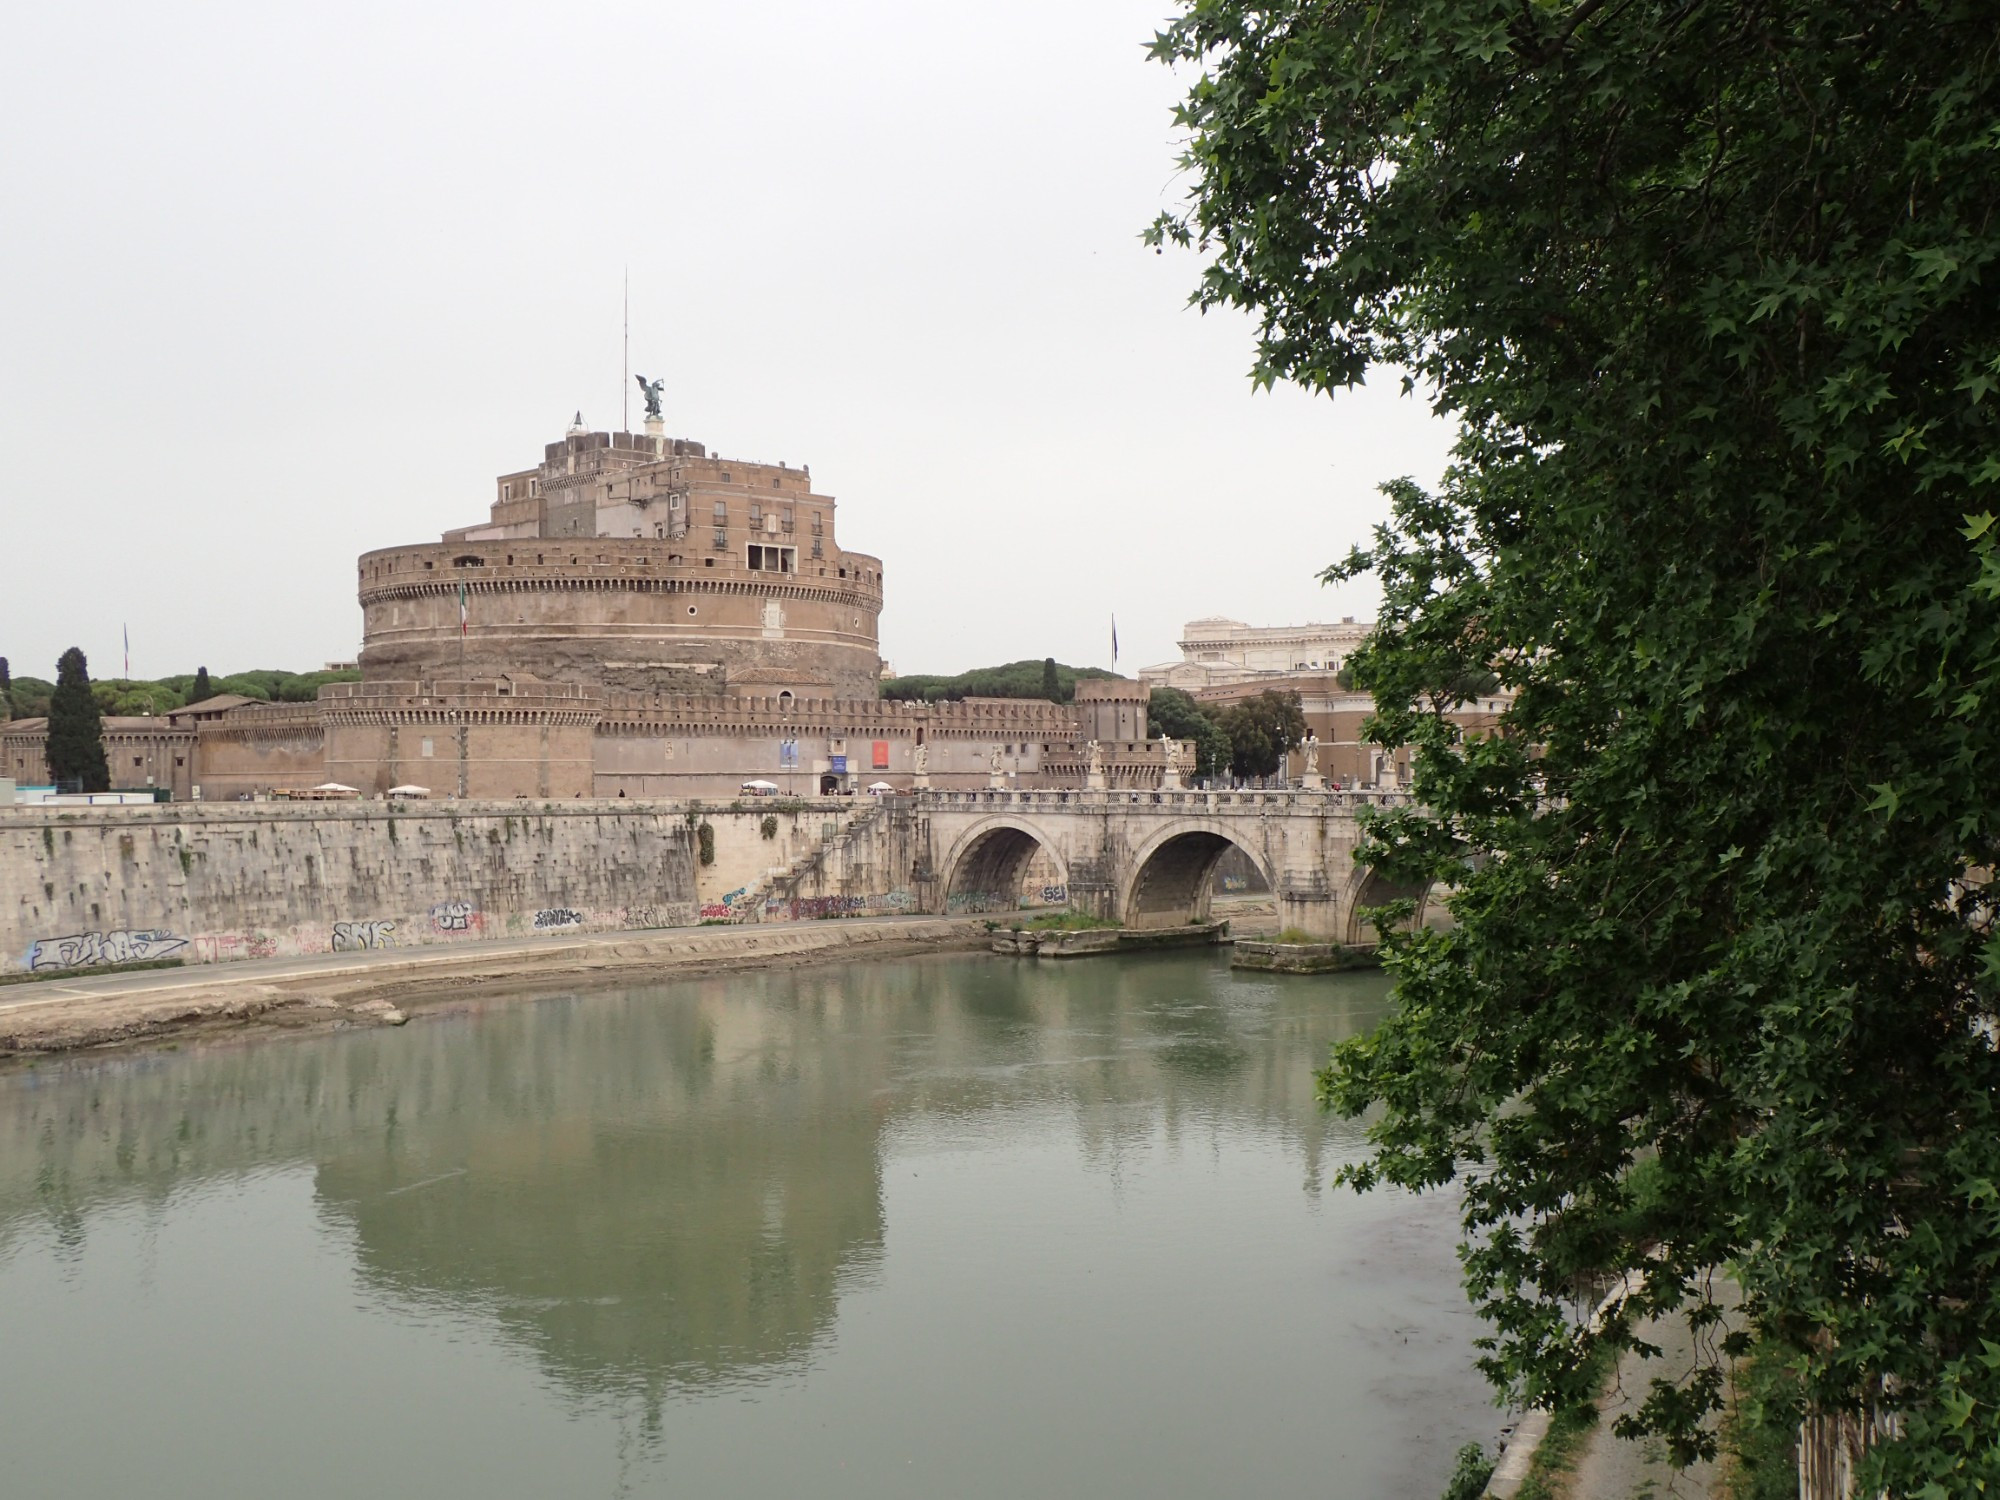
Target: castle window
pixel 774 481
pixel 816 548
pixel 506 492
pixel 721 512
pixel 725 476
pixel 721 540
pixel 756 515
pixel 773 559
pixel 534 488
pixel 788 518
pixel 818 526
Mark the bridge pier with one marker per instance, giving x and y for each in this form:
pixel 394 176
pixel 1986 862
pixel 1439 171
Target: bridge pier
pixel 1307 901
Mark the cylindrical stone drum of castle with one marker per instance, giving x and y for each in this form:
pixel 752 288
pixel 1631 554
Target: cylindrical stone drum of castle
pixel 634 615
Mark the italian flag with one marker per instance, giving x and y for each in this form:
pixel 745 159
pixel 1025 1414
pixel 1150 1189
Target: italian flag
pixel 461 611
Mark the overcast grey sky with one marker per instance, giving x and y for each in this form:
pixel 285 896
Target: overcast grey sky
pixel 284 283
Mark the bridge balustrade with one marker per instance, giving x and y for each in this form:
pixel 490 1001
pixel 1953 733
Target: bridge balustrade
pixel 1188 798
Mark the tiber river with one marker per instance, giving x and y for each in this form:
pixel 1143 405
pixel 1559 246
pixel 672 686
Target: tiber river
pixel 951 1227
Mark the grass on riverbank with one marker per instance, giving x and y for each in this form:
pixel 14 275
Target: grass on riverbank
pixel 1563 1444
pixel 92 970
pixel 1065 921
pixel 1760 1431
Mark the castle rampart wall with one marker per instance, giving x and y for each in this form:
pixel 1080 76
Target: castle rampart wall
pixel 253 750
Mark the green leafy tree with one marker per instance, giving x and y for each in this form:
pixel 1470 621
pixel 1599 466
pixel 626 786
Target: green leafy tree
pixel 201 689
pixel 1017 679
pixel 31 696
pixel 76 728
pixel 1711 290
pixel 1261 730
pixel 1172 712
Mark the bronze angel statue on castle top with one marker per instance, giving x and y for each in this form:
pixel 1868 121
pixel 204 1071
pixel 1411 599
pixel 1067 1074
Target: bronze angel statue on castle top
pixel 651 390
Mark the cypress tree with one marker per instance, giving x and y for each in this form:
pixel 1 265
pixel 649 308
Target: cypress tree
pixel 6 691
pixel 76 729
pixel 1051 684
pixel 201 690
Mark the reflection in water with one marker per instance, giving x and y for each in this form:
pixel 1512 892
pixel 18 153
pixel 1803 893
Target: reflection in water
pixel 667 1191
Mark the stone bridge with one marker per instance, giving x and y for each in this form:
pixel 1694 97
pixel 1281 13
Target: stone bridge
pixel 1147 858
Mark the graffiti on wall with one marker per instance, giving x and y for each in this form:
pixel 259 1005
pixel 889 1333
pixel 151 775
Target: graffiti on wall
pixel 718 910
pixel 82 950
pixel 220 947
pixel 358 937
pixel 976 901
pixel 813 908
pixel 456 916
pixel 1054 895
pixel 557 916
pixel 654 916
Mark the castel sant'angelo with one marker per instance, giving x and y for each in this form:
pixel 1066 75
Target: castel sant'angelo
pixel 637 617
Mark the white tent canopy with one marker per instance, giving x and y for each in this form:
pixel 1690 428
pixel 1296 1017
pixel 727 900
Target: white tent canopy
pixel 880 786
pixel 409 791
pixel 334 786
pixel 760 786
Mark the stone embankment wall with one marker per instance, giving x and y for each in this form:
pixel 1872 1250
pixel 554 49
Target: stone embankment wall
pixel 83 887
pixel 830 857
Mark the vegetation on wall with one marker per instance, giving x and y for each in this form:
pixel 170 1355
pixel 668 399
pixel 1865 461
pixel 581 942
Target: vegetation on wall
pixel 1017 679
pixel 1711 290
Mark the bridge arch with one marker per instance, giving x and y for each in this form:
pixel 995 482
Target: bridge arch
pixel 1369 888
pixel 984 869
pixel 1172 873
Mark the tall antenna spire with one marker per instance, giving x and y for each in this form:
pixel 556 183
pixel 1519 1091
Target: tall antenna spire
pixel 625 382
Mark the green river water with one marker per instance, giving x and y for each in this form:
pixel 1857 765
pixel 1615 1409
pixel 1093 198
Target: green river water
pixel 953 1226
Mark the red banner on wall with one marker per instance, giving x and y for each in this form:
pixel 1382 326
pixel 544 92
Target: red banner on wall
pixel 880 760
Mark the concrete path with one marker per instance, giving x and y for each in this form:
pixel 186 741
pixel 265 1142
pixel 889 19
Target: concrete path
pixel 87 1010
pixel 1614 1468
